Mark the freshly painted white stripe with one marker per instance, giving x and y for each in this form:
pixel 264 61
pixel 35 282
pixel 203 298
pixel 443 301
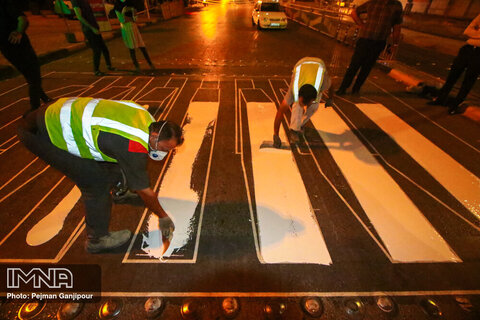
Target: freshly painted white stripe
pixel 176 195
pixel 407 234
pixel 295 82
pixel 460 182
pixel 65 122
pixel 288 229
pixel 87 130
pixel 120 126
pixel 52 223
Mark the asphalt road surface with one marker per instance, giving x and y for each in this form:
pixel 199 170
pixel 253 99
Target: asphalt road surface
pixel 390 184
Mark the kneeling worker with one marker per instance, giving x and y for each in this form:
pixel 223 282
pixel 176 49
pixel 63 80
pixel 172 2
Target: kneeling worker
pixel 309 80
pixel 94 142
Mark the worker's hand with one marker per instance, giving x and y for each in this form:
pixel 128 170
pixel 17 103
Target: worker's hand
pixel 277 142
pixel 15 37
pixel 96 31
pixel 166 227
pixel 329 103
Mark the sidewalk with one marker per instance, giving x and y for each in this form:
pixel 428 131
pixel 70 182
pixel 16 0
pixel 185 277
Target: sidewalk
pixel 429 45
pixel 47 35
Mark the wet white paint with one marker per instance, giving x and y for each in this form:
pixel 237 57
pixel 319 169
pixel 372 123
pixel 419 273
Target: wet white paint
pixel 287 227
pixel 460 182
pixel 407 234
pixel 175 195
pixel 47 228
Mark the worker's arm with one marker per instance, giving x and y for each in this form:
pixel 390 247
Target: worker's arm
pixel 150 199
pixel 356 18
pixel 16 36
pixel 278 117
pixel 472 30
pixel 151 202
pixel 78 13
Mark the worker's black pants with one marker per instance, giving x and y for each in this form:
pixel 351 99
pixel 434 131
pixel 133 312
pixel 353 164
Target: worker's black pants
pixel 23 57
pixel 468 60
pixel 94 179
pixel 363 59
pixel 134 56
pixel 98 46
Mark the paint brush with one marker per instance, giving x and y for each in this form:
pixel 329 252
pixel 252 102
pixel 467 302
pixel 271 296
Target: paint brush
pixel 269 144
pixel 166 243
pixel 285 146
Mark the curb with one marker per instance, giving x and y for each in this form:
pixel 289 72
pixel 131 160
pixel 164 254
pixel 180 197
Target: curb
pixel 7 71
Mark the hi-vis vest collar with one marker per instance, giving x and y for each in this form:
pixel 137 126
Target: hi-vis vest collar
pixel 73 124
pixel 309 70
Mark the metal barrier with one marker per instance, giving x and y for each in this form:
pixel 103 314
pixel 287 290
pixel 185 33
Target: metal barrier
pixel 336 24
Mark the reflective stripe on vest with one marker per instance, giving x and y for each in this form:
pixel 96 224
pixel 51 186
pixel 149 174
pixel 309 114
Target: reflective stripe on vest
pixel 308 72
pixel 74 124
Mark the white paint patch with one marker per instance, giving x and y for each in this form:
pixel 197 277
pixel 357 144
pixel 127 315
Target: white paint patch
pixel 175 195
pixel 460 182
pixel 407 234
pixel 288 229
pixel 47 228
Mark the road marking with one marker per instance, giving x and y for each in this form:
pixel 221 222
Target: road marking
pixel 407 234
pixel 30 212
pixel 404 175
pixel 288 230
pixel 176 195
pixel 25 183
pixel 457 180
pixel 424 116
pixel 52 223
pixel 335 189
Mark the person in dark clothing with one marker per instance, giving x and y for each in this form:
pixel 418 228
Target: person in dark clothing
pixel 132 38
pixel 91 30
pixel 468 60
pixel 101 143
pixel 16 48
pixel 382 16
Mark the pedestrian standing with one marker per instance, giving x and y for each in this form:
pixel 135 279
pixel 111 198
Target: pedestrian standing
pixel 91 30
pixel 98 143
pixel 309 80
pixel 468 60
pixel 132 38
pixel 16 48
pixel 381 17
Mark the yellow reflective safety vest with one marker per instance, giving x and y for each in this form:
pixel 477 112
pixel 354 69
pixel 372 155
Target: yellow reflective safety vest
pixel 73 124
pixel 308 70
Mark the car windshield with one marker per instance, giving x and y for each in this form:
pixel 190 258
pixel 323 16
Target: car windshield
pixel 271 7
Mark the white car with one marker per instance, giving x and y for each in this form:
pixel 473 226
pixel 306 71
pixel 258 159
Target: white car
pixel 269 14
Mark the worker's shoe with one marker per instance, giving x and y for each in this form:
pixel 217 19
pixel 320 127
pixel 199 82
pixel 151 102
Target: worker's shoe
pixel 111 241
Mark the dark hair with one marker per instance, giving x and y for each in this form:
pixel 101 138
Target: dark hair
pixel 169 131
pixel 307 92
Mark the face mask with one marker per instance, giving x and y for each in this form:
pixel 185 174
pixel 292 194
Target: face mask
pixel 157 155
